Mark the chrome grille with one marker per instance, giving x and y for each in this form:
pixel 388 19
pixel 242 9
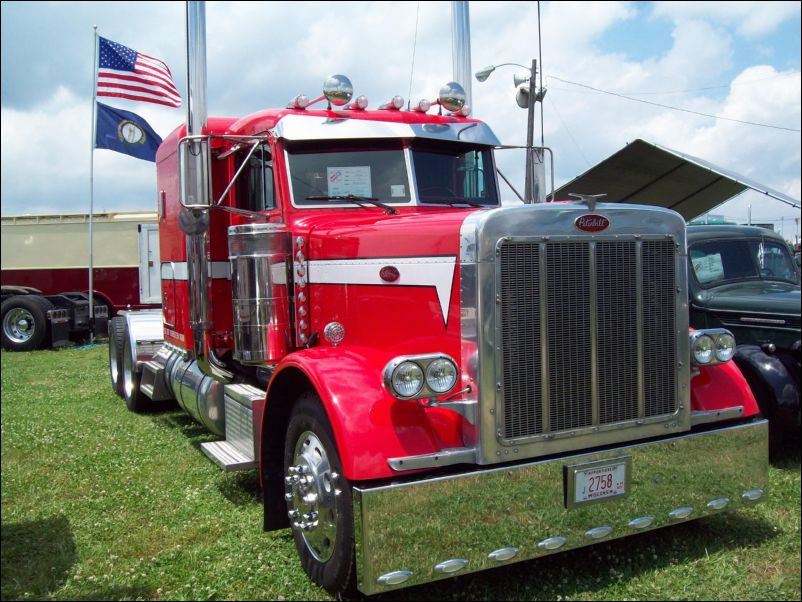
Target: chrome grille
pixel 567 302
pixel 658 326
pixel 587 333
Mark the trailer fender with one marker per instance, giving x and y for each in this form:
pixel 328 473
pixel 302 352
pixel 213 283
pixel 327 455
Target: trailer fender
pixel 774 386
pixel 720 387
pixel 369 424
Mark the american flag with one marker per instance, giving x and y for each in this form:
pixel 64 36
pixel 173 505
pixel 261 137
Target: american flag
pixel 126 73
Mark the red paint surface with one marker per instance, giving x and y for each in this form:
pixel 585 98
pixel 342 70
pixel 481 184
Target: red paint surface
pixel 720 387
pixel 369 424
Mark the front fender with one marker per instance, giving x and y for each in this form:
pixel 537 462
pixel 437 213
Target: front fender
pixel 774 386
pixel 720 387
pixel 369 424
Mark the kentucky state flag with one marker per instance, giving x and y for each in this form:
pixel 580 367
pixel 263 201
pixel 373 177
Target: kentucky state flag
pixel 126 133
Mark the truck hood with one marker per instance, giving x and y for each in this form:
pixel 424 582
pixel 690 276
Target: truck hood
pixel 425 233
pixel 757 296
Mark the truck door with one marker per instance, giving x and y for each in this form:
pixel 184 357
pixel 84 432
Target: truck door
pixel 149 267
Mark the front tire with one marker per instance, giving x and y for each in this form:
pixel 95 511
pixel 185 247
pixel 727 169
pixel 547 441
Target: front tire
pixel 318 498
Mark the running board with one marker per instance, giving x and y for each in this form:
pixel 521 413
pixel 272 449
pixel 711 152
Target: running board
pixel 227 456
pixel 238 451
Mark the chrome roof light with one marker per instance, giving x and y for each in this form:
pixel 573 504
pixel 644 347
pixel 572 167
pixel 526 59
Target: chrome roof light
pixel 338 90
pixel 452 97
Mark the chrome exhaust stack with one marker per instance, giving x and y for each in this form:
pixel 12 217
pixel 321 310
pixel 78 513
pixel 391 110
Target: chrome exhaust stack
pixel 196 197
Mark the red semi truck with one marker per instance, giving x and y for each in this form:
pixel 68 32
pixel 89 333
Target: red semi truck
pixel 45 299
pixel 429 383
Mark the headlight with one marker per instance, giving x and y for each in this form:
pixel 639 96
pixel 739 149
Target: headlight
pixel 420 376
pixel 441 375
pixel 407 379
pixel 703 350
pixel 712 346
pixel 725 347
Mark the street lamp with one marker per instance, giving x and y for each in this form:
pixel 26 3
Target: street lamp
pixel 528 95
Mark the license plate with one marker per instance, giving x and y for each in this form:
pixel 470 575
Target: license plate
pixel 590 482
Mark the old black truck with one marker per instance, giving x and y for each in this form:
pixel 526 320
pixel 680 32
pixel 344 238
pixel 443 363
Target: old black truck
pixel 744 279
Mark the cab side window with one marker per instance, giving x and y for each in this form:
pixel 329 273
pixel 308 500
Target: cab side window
pixel 255 190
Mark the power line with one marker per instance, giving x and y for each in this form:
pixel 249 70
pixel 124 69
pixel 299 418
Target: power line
pixel 657 104
pixel 718 87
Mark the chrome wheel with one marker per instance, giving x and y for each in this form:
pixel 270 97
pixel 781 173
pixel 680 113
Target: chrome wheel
pixel 19 325
pixel 114 363
pixel 311 496
pixel 129 372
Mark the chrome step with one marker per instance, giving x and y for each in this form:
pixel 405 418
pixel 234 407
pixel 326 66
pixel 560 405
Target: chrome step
pixel 228 456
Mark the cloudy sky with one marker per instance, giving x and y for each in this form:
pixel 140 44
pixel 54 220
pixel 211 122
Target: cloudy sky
pixel 739 60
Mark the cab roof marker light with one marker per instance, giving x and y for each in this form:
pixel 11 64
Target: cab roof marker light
pixel 422 106
pixel 301 101
pixel 395 104
pixel 360 103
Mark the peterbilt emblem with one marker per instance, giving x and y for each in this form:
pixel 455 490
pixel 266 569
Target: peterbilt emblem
pixel 592 223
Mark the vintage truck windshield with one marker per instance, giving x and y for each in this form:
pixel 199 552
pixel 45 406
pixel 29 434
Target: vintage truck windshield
pixel 457 174
pixel 718 261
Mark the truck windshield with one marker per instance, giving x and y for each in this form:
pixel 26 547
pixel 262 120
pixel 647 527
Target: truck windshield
pixel 379 173
pixel 717 261
pixel 456 174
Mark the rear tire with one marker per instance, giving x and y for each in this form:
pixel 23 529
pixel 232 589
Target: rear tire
pixel 323 529
pixel 116 339
pixel 24 320
pixel 134 398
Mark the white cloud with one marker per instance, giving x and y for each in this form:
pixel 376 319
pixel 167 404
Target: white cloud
pixel 750 19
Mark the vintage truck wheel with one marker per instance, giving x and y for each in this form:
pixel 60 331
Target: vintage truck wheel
pixel 318 498
pixel 134 398
pixel 24 319
pixel 116 339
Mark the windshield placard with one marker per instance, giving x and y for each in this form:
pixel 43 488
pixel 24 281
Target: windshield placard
pixel 354 180
pixel 708 268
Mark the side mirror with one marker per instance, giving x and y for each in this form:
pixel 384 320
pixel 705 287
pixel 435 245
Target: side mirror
pixel 194 172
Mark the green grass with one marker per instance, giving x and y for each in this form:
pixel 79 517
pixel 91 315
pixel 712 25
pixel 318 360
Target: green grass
pixel 102 504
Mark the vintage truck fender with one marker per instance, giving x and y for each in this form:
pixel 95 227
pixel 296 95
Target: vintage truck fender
pixel 722 386
pixel 773 384
pixel 369 424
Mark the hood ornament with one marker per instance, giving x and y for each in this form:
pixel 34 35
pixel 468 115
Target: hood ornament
pixel 588 199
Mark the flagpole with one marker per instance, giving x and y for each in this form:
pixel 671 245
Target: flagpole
pixel 92 188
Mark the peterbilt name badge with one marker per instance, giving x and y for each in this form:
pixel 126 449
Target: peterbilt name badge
pixel 592 223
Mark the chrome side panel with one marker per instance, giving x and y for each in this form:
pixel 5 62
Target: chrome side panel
pixel 499 515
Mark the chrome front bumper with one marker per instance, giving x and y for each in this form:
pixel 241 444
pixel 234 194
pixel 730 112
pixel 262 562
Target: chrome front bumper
pixel 428 529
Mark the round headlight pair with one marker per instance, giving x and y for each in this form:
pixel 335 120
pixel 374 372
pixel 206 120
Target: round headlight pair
pixel 713 346
pixel 422 377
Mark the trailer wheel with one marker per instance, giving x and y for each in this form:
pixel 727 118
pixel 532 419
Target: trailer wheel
pixel 25 325
pixel 134 398
pixel 116 340
pixel 318 498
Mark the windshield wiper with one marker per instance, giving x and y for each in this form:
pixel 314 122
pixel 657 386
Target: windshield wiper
pixel 454 202
pixel 359 200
